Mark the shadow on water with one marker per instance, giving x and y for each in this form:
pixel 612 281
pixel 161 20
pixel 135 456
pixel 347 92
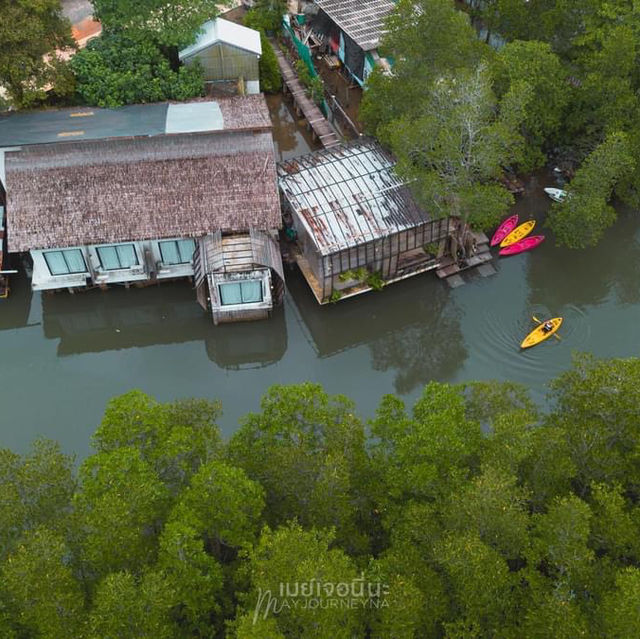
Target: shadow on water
pixel 120 318
pixel 412 327
pixel 14 311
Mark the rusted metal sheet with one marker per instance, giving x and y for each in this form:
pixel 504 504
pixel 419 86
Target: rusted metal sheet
pixel 348 195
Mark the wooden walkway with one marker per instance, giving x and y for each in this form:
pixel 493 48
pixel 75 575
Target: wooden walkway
pixel 303 103
pixel 449 268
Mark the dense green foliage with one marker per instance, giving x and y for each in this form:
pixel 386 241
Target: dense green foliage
pixel 266 15
pixel 270 77
pixel 565 81
pixel 456 174
pixel 473 515
pixel 32 33
pixel 171 23
pixel 114 70
pixel 439 114
pixel 313 83
pixel 581 219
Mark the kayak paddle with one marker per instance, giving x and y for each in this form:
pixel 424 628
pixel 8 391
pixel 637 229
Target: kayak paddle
pixel 535 319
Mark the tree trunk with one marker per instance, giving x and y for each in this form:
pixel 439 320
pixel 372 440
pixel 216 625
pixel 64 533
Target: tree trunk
pixel 171 53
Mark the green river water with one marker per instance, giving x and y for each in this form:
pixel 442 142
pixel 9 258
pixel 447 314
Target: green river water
pixel 63 356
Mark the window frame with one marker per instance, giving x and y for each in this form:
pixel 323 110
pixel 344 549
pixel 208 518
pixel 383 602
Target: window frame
pixel 62 252
pixel 240 283
pixel 177 248
pixel 115 246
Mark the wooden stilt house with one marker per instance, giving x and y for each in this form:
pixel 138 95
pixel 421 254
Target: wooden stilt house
pixel 130 198
pixel 351 31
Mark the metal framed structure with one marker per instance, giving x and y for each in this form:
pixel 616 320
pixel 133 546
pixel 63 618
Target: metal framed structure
pixel 351 211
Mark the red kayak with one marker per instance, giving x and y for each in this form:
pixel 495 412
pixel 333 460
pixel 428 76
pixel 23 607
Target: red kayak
pixel 504 229
pixel 525 244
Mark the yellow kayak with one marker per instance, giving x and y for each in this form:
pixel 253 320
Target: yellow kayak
pixel 518 233
pixel 538 335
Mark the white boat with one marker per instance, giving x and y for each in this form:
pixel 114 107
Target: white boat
pixel 557 195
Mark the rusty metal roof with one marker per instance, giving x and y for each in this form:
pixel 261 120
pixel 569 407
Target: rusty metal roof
pixel 362 20
pixel 348 195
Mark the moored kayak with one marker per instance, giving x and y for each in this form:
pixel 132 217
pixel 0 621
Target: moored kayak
pixel 557 195
pixel 518 233
pixel 525 244
pixel 538 334
pixel 504 229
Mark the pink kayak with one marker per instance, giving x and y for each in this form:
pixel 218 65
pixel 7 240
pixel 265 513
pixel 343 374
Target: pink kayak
pixel 504 229
pixel 525 244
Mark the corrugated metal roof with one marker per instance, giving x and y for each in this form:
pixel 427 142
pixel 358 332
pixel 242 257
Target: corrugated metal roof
pixel 230 33
pixel 347 195
pixel 194 117
pixel 59 125
pixel 138 120
pixel 361 20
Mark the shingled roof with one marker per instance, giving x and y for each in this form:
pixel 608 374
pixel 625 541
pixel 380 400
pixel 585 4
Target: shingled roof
pixel 124 189
pixel 363 21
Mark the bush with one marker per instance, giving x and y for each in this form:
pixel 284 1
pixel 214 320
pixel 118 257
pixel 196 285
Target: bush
pixel 314 84
pixel 114 70
pixel 266 15
pixel 270 78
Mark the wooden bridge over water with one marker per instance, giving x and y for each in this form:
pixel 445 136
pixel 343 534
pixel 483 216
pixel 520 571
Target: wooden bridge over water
pixel 303 104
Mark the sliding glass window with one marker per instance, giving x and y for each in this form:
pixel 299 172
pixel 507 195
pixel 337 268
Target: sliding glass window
pixel 246 292
pixel 177 251
pixel 65 262
pixel 117 257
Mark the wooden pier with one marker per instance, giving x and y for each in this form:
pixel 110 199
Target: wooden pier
pixel 303 104
pixel 449 268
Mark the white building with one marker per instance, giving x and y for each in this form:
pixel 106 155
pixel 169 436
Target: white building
pixel 227 52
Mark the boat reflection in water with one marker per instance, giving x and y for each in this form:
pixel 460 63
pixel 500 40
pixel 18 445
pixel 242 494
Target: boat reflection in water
pixel 95 321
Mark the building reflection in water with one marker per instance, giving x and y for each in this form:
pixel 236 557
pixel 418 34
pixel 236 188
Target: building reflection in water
pixel 15 309
pixel 120 318
pixel 411 327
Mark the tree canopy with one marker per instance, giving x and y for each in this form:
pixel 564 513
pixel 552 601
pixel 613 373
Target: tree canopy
pixel 171 23
pixel 562 77
pixel 33 34
pixel 472 514
pixel 115 70
pixel 581 219
pixel 452 152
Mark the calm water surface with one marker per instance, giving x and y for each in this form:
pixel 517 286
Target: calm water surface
pixel 63 356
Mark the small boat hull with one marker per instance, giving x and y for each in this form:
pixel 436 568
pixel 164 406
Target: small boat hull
pixel 557 195
pixel 525 244
pixel 504 229
pixel 518 233
pixel 538 335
